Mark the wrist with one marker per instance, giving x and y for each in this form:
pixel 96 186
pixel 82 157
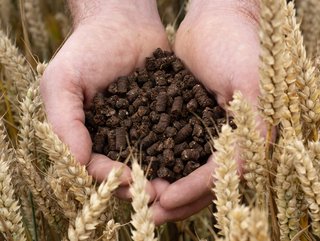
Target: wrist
pixel 248 9
pixel 84 10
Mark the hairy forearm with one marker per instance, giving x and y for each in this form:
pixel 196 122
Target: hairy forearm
pixel 83 9
pixel 249 9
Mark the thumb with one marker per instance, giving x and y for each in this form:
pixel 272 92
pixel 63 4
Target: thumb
pixel 63 99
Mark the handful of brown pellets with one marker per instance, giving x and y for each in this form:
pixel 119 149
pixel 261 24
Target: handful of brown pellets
pixel 163 111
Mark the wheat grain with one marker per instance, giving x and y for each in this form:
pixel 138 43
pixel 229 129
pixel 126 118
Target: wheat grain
pixel 239 224
pixel 258 225
pixel 251 145
pixel 273 59
pixel 314 152
pixel 66 166
pixel 141 219
pixel 226 180
pixel 88 218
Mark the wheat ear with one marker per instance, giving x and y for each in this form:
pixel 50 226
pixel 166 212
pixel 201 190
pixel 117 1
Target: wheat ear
pixel 16 65
pixel 306 75
pixel 273 60
pixel 251 145
pixel 141 219
pixel 309 181
pixel 292 40
pixel 88 218
pixel 226 179
pixel 286 189
pixel 26 153
pixel 66 166
pixel 9 207
pixel 36 27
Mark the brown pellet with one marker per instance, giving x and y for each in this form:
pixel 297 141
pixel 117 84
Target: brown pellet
pixel 197 131
pixel 179 166
pixel 190 167
pixel 170 131
pixel 168 143
pixel 133 94
pixel 183 133
pixel 166 173
pixel 190 155
pixel 163 123
pixel 161 102
pixel 111 137
pixel 192 105
pixel 121 141
pixel 180 147
pixel 122 85
pixel 177 106
pixel 122 103
pixel 168 158
pixel 201 96
pixel 113 121
pixel 149 139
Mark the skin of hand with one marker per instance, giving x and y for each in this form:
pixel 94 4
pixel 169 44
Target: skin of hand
pixel 218 41
pixel 109 39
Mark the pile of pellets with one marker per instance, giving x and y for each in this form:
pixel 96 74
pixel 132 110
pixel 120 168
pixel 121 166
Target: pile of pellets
pixel 161 111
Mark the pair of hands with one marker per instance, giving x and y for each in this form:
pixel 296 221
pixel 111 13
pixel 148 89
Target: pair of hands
pixel 217 41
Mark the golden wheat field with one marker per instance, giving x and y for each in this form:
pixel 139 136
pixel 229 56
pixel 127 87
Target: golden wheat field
pixel 45 194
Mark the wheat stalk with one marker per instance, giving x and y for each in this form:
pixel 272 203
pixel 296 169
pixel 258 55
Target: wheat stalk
pixel 87 220
pixel 226 180
pixel 251 145
pixel 141 219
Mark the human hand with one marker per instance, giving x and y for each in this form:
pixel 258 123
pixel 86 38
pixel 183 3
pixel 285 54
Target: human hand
pixel 218 41
pixel 110 39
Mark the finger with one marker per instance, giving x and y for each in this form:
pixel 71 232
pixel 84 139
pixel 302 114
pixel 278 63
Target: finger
pixel 63 100
pixel 162 215
pixel 188 189
pixel 100 167
pixel 159 185
pixel 125 194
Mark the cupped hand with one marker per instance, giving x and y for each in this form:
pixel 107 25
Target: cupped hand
pixel 109 41
pixel 218 41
